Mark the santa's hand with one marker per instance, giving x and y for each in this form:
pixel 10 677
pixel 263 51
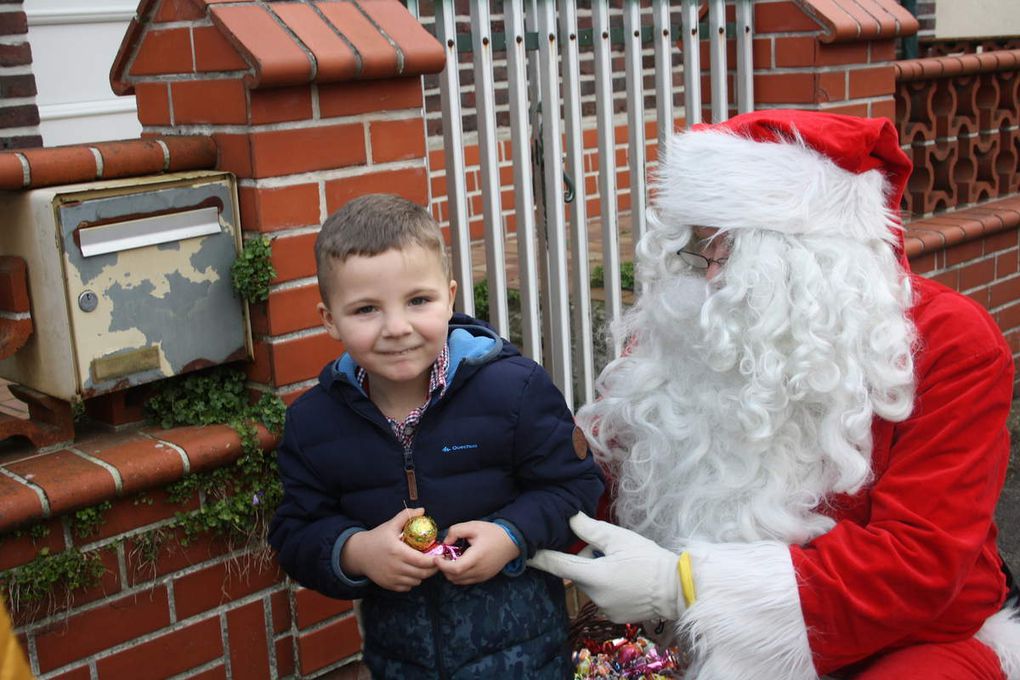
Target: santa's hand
pixel 635 580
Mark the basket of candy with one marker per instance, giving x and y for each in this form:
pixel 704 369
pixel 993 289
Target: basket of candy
pixel 603 649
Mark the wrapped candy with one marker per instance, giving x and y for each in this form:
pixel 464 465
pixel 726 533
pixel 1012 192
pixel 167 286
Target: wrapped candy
pixel 421 533
pixel 631 656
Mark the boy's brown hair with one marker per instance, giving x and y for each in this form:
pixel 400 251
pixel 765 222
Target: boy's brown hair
pixel 370 225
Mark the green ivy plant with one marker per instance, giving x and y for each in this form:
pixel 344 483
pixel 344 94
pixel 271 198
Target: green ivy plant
pixel 237 500
pixel 626 276
pixel 252 271
pixel 31 584
pixel 86 522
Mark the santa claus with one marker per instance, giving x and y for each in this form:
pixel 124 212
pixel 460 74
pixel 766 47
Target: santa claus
pixel 807 441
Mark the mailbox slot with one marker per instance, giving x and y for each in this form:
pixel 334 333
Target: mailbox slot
pixel 148 231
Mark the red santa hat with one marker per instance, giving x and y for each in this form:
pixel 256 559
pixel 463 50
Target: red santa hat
pixel 795 172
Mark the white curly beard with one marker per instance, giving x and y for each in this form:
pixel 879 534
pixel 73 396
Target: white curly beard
pixel 744 404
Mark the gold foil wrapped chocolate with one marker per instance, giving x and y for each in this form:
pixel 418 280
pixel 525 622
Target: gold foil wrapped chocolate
pixel 420 532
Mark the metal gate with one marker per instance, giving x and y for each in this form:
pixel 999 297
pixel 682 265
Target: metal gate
pixel 533 54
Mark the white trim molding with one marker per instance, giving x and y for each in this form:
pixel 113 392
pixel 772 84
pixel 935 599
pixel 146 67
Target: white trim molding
pixel 80 15
pixel 83 109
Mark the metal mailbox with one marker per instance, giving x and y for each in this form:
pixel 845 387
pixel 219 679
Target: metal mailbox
pixel 129 281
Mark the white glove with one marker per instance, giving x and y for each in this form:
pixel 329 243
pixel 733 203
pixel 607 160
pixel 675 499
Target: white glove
pixel 634 581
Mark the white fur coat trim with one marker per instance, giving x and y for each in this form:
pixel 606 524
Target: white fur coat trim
pixel 714 178
pixel 746 621
pixel 1001 632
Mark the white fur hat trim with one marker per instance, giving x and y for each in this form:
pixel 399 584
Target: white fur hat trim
pixel 716 178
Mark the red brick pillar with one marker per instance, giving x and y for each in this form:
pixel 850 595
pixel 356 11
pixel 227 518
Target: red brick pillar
pixel 310 105
pixel 19 115
pixel 828 55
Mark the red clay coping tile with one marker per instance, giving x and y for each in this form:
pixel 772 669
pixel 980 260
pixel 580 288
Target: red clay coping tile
pixel 72 479
pixel 261 37
pixel 930 68
pixel 849 20
pixel 940 231
pixel 51 166
pixel 292 44
pixel 336 60
pixel 419 51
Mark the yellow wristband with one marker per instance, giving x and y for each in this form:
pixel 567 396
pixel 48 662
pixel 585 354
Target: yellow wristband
pixel 683 568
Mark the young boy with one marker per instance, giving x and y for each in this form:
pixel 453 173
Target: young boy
pixel 427 414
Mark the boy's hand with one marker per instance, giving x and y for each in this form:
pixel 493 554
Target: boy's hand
pixel 383 557
pixel 490 551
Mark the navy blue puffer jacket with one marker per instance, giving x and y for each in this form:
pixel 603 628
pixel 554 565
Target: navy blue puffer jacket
pixel 497 446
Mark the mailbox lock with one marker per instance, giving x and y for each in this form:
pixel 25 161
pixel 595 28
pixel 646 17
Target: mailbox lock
pixel 88 301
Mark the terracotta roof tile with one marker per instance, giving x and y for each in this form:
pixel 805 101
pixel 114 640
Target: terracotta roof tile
pixel 421 53
pixel 50 166
pixel 19 504
pixel 379 58
pixel 277 57
pixel 70 164
pixel 293 43
pixel 846 20
pixel 68 480
pixel 960 226
pixel 956 65
pixel 336 59
pixel 866 14
pixel 130 158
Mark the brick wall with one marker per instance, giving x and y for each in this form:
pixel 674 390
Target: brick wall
pixel 163 606
pixel 19 115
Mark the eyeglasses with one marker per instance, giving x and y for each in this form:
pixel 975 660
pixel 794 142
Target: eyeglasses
pixel 699 261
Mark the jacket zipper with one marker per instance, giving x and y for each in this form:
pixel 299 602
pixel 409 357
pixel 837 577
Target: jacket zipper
pixel 412 482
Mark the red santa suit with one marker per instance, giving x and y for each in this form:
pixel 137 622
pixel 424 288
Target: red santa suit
pixel 894 575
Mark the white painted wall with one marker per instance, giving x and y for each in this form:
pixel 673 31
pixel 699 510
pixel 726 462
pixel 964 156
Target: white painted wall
pixel 74 43
pixel 976 18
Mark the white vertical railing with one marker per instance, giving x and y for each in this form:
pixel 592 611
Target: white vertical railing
pixel 545 104
pixel 453 148
pixel 692 60
pixel 524 202
pixel 745 63
pixel 717 50
pixel 485 105
pixel 662 38
pixel 579 274
pixel 606 134
pixel 635 115
pixel 558 361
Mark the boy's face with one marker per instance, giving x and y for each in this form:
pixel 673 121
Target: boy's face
pixel 391 311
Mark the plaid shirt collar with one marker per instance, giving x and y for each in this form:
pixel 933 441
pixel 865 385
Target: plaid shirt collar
pixel 404 430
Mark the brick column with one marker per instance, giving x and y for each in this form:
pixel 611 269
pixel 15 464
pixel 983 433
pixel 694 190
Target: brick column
pixel 19 115
pixel 310 105
pixel 828 55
